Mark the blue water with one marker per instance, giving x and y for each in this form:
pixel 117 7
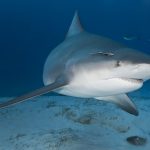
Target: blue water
pixel 30 29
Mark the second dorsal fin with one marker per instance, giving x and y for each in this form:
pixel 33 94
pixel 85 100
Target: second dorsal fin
pixel 75 27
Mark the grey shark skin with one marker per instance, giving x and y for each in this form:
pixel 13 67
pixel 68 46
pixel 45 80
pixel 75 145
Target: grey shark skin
pixel 91 66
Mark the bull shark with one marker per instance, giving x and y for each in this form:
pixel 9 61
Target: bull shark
pixel 90 66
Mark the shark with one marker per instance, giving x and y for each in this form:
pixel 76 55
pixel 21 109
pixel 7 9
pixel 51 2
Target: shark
pixel 86 65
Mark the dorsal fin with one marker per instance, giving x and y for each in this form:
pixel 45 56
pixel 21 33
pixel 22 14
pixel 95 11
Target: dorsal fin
pixel 75 27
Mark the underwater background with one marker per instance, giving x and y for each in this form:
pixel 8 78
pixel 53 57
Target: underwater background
pixel 29 30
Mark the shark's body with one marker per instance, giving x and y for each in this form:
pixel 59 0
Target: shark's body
pixel 90 74
pixel 90 66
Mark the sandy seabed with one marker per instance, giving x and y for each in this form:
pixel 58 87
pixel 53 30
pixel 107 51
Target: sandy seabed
pixel 67 123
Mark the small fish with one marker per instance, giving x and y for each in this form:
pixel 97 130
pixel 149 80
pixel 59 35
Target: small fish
pixel 129 38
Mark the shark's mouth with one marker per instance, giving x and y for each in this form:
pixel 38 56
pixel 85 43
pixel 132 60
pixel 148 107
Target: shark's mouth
pixel 133 80
pixel 131 84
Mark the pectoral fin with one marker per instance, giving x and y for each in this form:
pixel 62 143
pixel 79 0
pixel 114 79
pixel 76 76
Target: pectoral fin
pixel 123 102
pixel 46 89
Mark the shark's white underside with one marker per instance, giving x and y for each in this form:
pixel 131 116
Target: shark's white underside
pixel 87 87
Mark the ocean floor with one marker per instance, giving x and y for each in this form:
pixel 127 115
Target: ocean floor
pixel 66 123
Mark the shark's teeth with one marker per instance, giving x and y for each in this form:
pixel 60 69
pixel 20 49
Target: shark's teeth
pixel 133 80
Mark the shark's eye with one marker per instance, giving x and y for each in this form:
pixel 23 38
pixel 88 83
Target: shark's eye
pixel 118 63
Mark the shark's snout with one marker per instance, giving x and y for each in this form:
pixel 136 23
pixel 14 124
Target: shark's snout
pixel 134 64
pixel 143 71
pixel 136 71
